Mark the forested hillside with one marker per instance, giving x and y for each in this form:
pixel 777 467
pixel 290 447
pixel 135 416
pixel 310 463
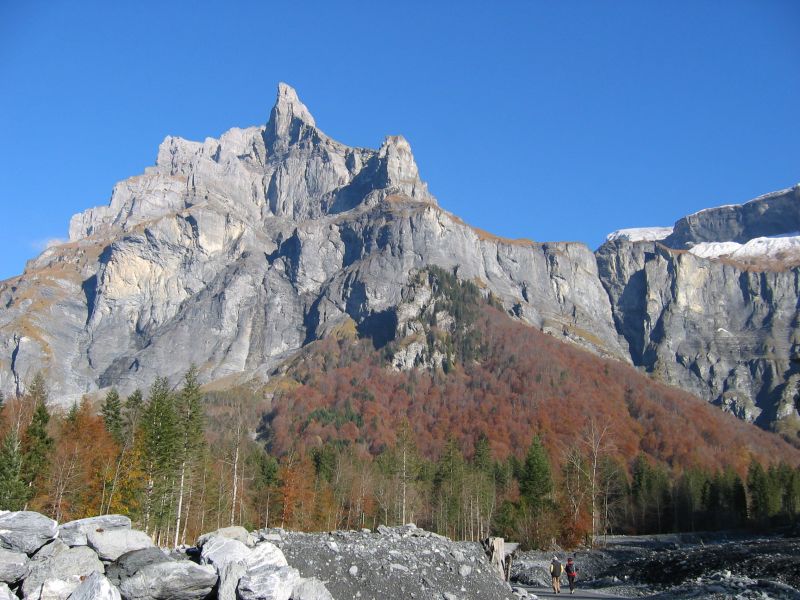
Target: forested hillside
pixel 499 428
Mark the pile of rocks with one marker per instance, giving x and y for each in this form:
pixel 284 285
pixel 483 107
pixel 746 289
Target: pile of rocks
pixel 393 562
pixel 103 558
pixel 723 585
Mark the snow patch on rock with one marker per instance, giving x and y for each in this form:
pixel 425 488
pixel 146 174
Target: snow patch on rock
pixel 776 247
pixel 640 234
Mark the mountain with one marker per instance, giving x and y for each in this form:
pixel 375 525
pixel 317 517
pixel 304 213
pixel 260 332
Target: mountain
pixel 711 304
pixel 234 253
pixel 458 367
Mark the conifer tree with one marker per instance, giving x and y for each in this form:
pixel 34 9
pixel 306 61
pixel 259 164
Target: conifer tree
pixel 159 447
pixel 190 422
pixel 483 455
pixel 36 442
pixel 758 489
pixel 536 478
pixel 13 489
pixel 112 414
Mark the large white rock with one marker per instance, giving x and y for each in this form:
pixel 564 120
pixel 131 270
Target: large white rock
pixel 74 533
pixel 266 555
pixel 13 565
pixel 219 551
pixel 26 531
pixel 6 594
pixel 175 580
pixel 268 583
pixel 110 545
pixel 57 570
pixel 53 589
pixel 229 577
pixel 95 587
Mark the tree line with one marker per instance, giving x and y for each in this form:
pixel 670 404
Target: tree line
pixel 180 462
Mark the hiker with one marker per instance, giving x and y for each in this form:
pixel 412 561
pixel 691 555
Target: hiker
pixel 555 573
pixel 572 573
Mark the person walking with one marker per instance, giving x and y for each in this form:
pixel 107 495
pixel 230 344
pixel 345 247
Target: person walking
pixel 572 573
pixel 555 574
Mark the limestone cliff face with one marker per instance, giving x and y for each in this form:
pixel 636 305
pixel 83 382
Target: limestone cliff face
pixel 234 252
pixel 723 328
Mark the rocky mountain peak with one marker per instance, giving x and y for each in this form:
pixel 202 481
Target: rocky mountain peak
pixel 287 119
pixel 399 169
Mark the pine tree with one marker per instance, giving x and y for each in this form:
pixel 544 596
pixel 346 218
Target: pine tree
pixel 13 489
pixel 112 414
pixel 190 423
pixel 758 489
pixel 536 478
pixel 159 448
pixel 36 443
pixel 483 455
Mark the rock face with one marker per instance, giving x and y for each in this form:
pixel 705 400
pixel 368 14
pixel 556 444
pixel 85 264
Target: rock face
pixel 233 253
pixel 722 329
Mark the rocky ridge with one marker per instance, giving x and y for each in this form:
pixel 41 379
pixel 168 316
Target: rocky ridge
pixel 42 561
pixel 233 253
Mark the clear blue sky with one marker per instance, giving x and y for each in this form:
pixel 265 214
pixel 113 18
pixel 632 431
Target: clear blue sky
pixel 549 120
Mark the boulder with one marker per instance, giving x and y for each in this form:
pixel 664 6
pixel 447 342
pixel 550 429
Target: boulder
pixel 268 583
pixel 129 563
pixel 219 551
pixel 57 570
pixel 74 533
pixel 311 589
pixel 229 577
pixel 26 531
pixel 54 589
pixel 174 580
pixel 266 555
pixel 13 565
pixel 110 545
pixel 234 533
pixel 6 594
pixel 95 587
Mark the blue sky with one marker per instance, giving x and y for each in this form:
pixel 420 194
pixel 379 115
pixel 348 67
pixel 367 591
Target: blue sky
pixel 548 120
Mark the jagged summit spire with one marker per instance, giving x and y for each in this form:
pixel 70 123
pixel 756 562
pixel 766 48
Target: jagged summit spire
pixel 288 115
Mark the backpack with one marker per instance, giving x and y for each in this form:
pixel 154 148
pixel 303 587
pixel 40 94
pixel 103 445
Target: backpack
pixel 570 569
pixel 556 568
